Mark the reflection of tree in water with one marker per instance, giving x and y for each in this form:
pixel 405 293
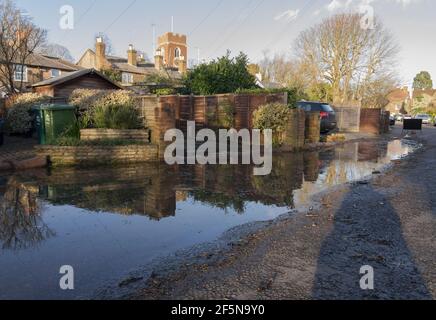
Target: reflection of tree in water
pixel 219 200
pixel 21 225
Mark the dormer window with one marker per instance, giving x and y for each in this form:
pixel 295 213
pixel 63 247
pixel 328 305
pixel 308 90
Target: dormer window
pixel 55 73
pixel 20 73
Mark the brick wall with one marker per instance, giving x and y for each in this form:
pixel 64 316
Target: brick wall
pixel 374 121
pixel 95 155
pixel 99 134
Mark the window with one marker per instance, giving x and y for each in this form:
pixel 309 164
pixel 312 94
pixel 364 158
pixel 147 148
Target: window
pixel 20 73
pixel 55 73
pixel 177 53
pixel 127 77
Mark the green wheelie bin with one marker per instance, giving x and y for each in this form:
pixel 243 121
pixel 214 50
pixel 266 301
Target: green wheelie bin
pixel 52 120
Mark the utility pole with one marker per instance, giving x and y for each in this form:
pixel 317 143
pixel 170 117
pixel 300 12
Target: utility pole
pixel 153 26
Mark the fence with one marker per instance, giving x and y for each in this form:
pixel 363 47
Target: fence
pixel 348 118
pixel 219 111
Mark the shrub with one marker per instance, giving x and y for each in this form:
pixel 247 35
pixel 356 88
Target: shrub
pixel 106 109
pixel 19 118
pixel 224 75
pixel 272 116
pixel 165 91
pixel 116 116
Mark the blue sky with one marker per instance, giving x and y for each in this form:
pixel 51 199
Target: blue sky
pixel 252 26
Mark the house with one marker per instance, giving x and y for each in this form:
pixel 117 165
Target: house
pixel 170 57
pixel 424 100
pixel 39 67
pixel 398 101
pixel 64 85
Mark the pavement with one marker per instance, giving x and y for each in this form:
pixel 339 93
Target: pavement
pixel 387 224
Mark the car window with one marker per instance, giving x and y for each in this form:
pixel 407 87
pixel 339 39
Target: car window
pixel 327 108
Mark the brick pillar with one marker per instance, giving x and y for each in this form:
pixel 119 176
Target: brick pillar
pixel 294 135
pixel 313 127
pixel 165 119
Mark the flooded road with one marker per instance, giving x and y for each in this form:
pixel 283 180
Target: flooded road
pixel 107 222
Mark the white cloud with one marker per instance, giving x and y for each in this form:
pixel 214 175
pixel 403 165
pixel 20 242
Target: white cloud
pixel 288 15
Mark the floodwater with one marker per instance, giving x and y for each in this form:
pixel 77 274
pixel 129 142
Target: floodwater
pixel 107 222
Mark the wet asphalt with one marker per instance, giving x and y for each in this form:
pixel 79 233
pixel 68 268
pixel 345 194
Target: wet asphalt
pixel 387 223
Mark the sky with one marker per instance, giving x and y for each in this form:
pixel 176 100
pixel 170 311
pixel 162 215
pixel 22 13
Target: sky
pixel 255 27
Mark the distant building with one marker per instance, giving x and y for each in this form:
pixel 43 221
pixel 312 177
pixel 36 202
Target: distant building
pixel 39 67
pixel 170 57
pixel 398 101
pixel 423 100
pixel 174 49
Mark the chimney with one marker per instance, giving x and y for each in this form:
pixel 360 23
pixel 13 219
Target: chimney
pixel 100 54
pixel 158 60
pixel 182 65
pixel 132 56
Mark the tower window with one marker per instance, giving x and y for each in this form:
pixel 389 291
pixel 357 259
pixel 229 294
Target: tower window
pixel 177 53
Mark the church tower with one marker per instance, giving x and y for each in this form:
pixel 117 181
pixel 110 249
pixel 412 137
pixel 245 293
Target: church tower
pixel 173 47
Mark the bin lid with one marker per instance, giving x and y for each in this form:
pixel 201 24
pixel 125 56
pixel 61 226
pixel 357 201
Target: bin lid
pixel 54 107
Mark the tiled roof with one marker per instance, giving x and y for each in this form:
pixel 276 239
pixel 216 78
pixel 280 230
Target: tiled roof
pixel 418 92
pixel 39 60
pixel 71 76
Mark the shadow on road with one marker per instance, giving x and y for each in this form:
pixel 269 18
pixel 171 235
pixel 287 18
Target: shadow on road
pixel 367 233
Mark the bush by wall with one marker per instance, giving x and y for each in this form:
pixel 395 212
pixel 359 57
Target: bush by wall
pixel 18 116
pixel 105 109
pixel 274 116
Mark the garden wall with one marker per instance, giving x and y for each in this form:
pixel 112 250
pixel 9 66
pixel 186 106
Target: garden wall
pixel 168 112
pixel 101 134
pixel 348 118
pixel 96 155
pixel 374 121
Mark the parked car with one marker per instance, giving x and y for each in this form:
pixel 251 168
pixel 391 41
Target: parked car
pixel 399 117
pixel 426 119
pixel 392 120
pixel 407 117
pixel 2 122
pixel 328 115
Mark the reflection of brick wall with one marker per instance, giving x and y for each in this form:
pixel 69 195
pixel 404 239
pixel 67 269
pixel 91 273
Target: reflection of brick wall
pixel 98 154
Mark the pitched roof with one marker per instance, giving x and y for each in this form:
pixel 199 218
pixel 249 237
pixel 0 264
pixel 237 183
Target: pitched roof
pixel 71 76
pixel 39 60
pixel 398 95
pixel 420 92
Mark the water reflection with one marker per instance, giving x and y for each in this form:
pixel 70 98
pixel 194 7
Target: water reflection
pixel 21 225
pixel 153 190
pixel 106 221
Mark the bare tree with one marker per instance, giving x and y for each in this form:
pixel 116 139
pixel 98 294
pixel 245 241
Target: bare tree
pixel 352 59
pixel 56 50
pixel 19 38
